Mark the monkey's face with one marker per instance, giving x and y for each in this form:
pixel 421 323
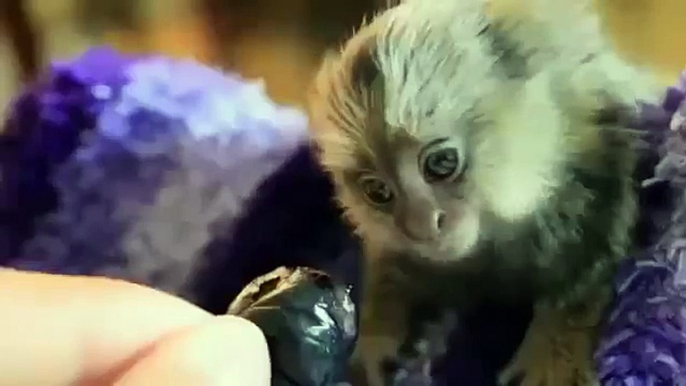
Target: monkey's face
pixel 416 195
pixel 439 134
pixel 399 152
pixel 436 171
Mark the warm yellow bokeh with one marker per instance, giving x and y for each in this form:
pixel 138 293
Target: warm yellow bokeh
pixel 652 32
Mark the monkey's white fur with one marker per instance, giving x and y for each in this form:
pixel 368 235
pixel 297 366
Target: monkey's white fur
pixel 434 63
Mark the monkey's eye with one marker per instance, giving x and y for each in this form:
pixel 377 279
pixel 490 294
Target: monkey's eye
pixel 441 164
pixel 375 190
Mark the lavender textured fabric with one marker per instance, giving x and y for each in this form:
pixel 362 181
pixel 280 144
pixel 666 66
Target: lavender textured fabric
pixel 143 160
pixel 172 174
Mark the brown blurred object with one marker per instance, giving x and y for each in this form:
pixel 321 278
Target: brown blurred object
pixel 314 22
pixel 280 41
pixel 332 22
pixel 24 37
pixel 100 15
pixel 227 22
pixel 97 18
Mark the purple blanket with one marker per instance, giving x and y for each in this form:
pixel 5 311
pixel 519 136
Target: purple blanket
pixel 175 175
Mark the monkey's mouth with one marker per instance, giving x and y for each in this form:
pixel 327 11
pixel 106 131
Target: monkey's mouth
pixel 438 251
pixel 448 249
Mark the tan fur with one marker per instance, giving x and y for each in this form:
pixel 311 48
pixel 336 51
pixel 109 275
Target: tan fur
pixel 557 350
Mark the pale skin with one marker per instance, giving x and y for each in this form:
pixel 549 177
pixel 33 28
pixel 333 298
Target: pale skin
pixel 70 330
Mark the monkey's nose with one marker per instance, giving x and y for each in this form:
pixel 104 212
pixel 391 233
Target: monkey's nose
pixel 440 220
pixel 423 226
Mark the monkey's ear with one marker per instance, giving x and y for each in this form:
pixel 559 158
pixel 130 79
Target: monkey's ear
pixel 364 68
pixel 324 75
pixel 320 87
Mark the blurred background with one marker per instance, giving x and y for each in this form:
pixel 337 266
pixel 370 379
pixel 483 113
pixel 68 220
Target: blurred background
pixel 280 41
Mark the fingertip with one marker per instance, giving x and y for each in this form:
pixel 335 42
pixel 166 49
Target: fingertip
pixel 227 351
pixel 244 338
pixel 253 337
pixel 94 324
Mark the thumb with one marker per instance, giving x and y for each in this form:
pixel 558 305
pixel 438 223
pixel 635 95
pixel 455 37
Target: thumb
pixel 227 351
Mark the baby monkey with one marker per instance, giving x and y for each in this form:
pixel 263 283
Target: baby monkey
pixel 483 152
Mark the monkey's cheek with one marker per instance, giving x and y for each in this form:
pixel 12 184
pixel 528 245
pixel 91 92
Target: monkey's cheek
pixel 376 228
pixel 464 235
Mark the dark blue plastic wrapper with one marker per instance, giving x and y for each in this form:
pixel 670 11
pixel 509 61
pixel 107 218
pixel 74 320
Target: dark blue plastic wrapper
pixel 309 322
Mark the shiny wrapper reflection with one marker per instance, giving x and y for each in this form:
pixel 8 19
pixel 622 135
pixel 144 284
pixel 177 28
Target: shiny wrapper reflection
pixel 309 322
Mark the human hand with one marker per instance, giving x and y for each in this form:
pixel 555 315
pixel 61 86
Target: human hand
pixel 71 330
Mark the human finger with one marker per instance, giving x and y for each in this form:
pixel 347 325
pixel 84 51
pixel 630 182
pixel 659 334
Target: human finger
pixel 227 351
pixel 66 330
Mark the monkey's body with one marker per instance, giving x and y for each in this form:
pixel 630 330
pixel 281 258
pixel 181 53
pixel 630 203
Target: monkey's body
pixel 567 276
pixel 483 157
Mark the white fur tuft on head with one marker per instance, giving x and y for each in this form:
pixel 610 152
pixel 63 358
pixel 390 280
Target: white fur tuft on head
pixel 424 41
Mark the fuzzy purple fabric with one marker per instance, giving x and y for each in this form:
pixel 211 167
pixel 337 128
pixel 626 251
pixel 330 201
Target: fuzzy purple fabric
pixel 175 175
pixel 132 165
pixel 44 127
pixel 645 340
